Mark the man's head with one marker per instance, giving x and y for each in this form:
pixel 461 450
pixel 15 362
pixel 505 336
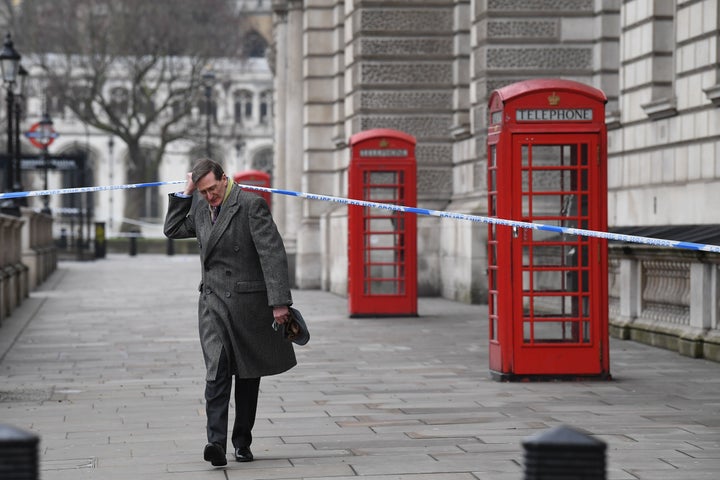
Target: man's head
pixel 210 181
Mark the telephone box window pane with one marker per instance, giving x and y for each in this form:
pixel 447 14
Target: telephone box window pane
pixel 551 332
pixel 384 287
pixel 373 225
pixel 562 205
pixel 550 305
pixel 493 156
pixel 548 156
pixel 376 255
pixel 494 329
pixel 584 154
pixel 548 236
pixel 548 255
pixel 374 240
pixel 493 187
pixel 383 178
pixel 525 155
pixel 549 180
pixel 383 272
pixel 380 194
pixel 586 332
pixel 544 281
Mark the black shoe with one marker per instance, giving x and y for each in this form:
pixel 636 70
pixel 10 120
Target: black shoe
pixel 215 454
pixel 243 454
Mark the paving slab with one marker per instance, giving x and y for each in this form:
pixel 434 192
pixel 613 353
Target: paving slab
pixel 102 362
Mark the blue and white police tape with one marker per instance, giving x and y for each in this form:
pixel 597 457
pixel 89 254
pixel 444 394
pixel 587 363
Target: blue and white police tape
pixel 62 191
pixel 401 208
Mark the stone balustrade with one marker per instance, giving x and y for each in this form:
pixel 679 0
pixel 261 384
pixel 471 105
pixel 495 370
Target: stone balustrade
pixel 665 297
pixel 27 256
pixel 39 252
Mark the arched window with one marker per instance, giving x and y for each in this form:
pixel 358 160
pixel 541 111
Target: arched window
pixel 265 106
pixel 243 106
pixel 254 45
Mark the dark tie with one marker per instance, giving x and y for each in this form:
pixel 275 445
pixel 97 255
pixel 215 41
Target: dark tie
pixel 214 212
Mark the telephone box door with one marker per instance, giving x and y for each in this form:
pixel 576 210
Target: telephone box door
pixel 547 287
pixel 557 325
pixel 382 244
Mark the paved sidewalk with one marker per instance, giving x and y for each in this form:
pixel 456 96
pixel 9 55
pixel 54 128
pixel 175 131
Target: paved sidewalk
pixel 104 364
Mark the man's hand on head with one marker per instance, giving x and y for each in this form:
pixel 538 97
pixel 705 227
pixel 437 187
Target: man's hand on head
pixel 189 185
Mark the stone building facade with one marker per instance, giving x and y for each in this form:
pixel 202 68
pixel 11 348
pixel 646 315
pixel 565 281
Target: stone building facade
pixel 425 68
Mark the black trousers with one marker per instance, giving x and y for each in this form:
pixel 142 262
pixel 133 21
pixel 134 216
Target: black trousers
pixel 217 400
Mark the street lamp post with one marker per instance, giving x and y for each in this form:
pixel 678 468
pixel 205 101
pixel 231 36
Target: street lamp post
pixel 111 177
pixel 17 154
pixel 208 80
pixel 9 64
pixel 46 137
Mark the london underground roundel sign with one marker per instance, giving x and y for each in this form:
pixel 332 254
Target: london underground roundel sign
pixel 35 134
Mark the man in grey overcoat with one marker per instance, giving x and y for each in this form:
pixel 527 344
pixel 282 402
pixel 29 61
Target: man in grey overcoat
pixel 244 288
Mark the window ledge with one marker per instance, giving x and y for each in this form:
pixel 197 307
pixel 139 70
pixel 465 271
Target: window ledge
pixel 662 108
pixel 339 142
pixel 713 93
pixel 612 120
pixel 460 132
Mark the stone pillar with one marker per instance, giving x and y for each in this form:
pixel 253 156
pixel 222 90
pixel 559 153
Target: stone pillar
pixel 630 279
pixel 319 131
pixel 703 308
pixel 278 64
pixel 29 254
pixel 702 300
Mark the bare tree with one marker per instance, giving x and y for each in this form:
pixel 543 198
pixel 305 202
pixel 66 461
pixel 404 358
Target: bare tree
pixel 131 68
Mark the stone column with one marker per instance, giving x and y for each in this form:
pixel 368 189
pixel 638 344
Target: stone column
pixel 630 279
pixel 319 132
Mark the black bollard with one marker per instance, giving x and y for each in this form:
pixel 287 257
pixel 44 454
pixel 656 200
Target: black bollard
pixel 170 246
pixel 133 245
pixel 564 453
pixel 100 245
pixel 18 454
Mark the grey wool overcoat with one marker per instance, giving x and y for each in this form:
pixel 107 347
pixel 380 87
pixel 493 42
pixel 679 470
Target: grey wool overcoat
pixel 244 274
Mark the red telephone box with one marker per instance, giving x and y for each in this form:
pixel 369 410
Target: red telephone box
pixel 382 244
pixel 257 178
pixel 548 297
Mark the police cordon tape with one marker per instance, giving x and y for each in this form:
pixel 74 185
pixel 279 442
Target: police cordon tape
pixel 660 242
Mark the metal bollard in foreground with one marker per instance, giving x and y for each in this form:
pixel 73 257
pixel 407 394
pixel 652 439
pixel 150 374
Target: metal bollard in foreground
pixel 18 454
pixel 564 453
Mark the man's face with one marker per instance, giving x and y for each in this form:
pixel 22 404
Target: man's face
pixel 212 190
